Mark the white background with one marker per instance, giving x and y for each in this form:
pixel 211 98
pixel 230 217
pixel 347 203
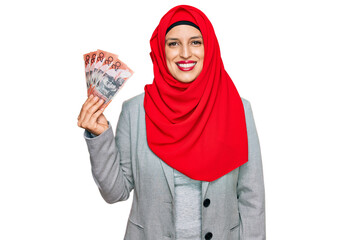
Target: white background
pixel 297 62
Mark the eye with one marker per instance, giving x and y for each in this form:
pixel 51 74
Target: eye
pixel 171 44
pixel 197 43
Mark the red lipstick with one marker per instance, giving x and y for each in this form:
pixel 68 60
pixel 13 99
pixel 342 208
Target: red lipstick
pixel 186 65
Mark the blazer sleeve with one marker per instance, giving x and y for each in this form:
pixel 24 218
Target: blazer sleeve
pixel 110 160
pixel 250 189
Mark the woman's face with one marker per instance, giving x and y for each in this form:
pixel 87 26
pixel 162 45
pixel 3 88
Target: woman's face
pixel 184 48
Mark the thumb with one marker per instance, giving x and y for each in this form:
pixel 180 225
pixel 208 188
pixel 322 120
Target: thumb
pixel 102 119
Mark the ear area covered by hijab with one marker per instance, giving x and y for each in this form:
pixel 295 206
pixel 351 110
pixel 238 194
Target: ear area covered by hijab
pixel 197 128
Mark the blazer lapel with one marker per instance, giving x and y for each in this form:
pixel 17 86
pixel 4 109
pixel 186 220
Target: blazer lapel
pixel 168 171
pixel 169 176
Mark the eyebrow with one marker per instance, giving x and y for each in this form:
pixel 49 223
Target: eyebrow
pixel 178 39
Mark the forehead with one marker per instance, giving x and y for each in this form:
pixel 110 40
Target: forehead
pixel 183 31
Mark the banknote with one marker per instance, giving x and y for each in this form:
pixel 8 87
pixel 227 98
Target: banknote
pixel 91 68
pixel 105 75
pixel 103 62
pixel 87 62
pixel 111 81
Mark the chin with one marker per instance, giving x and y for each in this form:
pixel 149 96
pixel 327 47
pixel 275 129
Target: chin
pixel 185 79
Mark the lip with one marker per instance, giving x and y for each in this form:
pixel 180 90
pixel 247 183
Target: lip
pixel 186 68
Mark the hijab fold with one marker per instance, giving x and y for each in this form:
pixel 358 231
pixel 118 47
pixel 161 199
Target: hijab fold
pixel 197 128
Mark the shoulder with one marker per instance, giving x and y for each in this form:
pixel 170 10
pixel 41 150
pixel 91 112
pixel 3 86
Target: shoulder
pixel 246 104
pixel 248 112
pixel 134 102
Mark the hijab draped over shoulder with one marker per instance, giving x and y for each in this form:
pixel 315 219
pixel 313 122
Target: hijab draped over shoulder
pixel 197 128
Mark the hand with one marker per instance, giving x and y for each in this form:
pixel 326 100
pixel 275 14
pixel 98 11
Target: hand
pixel 91 118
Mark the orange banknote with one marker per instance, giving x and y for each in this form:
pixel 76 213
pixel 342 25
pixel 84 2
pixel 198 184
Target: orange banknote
pixel 104 61
pixel 87 62
pixel 105 75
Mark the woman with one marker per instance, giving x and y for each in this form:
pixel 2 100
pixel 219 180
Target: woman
pixel 187 146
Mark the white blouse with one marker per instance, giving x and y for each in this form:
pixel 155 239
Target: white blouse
pixel 188 207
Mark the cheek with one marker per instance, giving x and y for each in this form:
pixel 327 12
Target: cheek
pixel 168 60
pixel 199 54
pixel 202 54
pixel 170 54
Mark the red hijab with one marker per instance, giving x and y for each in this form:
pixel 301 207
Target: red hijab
pixel 197 128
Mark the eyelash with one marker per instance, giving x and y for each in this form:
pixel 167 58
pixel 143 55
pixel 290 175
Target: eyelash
pixel 171 44
pixel 197 42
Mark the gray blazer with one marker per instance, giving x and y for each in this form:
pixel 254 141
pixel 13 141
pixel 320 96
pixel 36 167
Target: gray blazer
pixel 125 162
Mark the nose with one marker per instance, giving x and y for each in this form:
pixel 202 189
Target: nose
pixel 185 51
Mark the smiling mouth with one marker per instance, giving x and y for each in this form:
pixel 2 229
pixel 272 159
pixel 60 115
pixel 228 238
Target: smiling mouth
pixel 186 66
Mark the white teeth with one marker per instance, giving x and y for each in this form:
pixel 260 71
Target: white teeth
pixel 186 65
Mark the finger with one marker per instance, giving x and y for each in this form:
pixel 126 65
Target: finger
pixel 95 116
pixel 83 106
pixel 89 99
pixel 102 119
pixel 94 120
pixel 90 112
pixel 87 110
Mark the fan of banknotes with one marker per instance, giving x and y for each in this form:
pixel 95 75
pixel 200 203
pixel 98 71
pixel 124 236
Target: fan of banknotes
pixel 105 75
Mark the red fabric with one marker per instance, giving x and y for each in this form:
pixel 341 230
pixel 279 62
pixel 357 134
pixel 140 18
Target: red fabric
pixel 197 128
